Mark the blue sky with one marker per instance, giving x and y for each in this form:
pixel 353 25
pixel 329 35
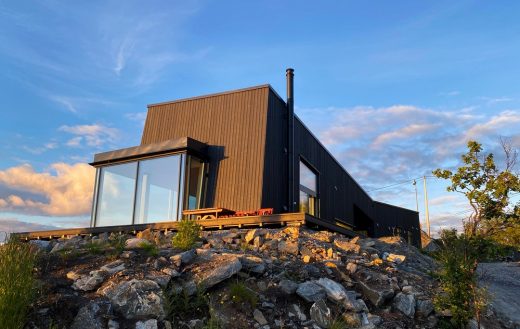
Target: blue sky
pixel 394 89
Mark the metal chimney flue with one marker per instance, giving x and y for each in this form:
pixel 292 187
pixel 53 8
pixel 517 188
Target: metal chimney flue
pixel 290 139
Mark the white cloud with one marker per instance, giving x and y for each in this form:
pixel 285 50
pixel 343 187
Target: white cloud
pixel 138 116
pixel 404 132
pixel 67 189
pixel 93 135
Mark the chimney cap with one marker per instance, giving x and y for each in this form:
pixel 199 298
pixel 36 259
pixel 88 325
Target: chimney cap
pixel 289 70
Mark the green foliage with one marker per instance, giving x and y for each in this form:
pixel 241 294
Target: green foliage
pixel 179 305
pixel 94 248
pixel 150 248
pixel 338 324
pixel 17 283
pixel 240 294
pixel 213 321
pixel 118 241
pixel 459 256
pixel 188 232
pixel 68 253
pixel 487 188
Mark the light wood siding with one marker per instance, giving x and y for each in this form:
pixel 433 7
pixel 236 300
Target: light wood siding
pixel 234 127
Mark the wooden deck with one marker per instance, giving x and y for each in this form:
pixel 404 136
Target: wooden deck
pixel 220 223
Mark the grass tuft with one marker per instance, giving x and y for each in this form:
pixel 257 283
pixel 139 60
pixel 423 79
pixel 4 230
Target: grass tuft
pixel 149 248
pixel 17 283
pixel 240 293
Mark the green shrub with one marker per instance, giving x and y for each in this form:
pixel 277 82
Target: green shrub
pixel 213 321
pixel 17 283
pixel 150 248
pixel 240 293
pixel 94 248
pixel 459 256
pixel 182 306
pixel 188 232
pixel 338 324
pixel 118 241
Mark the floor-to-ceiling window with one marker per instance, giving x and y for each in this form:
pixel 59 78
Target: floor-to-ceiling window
pixel 148 190
pixel 308 190
pixel 115 201
pixel 157 197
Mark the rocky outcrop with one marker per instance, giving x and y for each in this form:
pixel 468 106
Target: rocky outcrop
pixel 260 278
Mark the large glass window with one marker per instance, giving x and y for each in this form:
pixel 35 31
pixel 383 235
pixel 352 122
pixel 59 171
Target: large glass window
pixel 158 190
pixel 308 190
pixel 148 191
pixel 115 202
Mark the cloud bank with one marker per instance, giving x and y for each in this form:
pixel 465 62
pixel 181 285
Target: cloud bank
pixel 65 190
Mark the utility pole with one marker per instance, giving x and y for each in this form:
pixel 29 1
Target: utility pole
pixel 426 206
pixel 416 198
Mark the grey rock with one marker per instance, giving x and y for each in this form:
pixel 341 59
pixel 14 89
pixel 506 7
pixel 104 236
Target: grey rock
pixel 405 304
pixel 334 290
pixel 74 242
pixel 321 314
pixel 297 312
pixel 287 286
pixel 114 267
pixel 136 243
pixel 258 241
pixel 57 247
pixel 288 247
pixel 311 292
pixel 376 296
pixel 196 324
pixel 252 264
pixel 376 320
pixel 91 281
pixel 407 289
pixel 355 305
pixel 185 257
pixel 171 272
pixel 127 254
pixel 346 245
pixel 92 315
pixel 252 234
pixel 423 307
pixel 259 317
pixel 218 269
pixel 161 279
pixel 112 324
pixel 135 299
pixel 148 324
pixel 41 244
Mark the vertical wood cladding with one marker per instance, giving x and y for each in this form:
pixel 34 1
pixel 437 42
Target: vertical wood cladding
pixel 234 126
pixel 275 178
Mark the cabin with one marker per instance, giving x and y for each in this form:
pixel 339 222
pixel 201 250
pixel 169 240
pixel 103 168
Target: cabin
pixel 234 154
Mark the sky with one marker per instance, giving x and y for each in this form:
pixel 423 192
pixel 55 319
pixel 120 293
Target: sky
pixel 394 89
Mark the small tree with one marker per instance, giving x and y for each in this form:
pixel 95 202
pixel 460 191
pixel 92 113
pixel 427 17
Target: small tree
pixel 188 232
pixel 487 188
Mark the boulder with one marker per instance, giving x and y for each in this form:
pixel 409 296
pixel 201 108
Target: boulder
pixel 405 304
pixel 288 247
pixel 93 315
pixel 259 317
pixel 41 244
pixel 91 281
pixel 161 279
pixel 185 257
pixel 311 292
pixel 171 272
pixel 135 299
pixel 335 291
pixel 114 267
pixel 346 245
pixel 288 286
pixel 252 234
pixel 321 314
pixel 136 243
pixel 376 295
pixel 394 258
pixel 423 307
pixel 355 305
pixel 216 270
pixel 148 324
pixel 252 264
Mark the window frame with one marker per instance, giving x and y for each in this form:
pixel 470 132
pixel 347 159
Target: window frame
pixel 305 189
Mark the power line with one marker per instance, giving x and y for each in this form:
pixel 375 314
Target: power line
pixel 399 183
